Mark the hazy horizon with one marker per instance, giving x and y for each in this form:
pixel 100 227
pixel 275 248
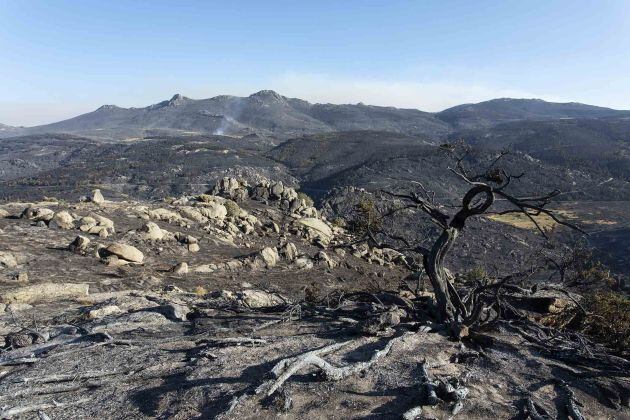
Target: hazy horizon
pixel 65 58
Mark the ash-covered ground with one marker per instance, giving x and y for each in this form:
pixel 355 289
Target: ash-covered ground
pixel 248 303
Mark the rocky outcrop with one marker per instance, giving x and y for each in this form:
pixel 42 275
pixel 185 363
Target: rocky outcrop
pixel 231 188
pixel 193 214
pixel 165 215
pixel 96 224
pixel 287 198
pixel 213 210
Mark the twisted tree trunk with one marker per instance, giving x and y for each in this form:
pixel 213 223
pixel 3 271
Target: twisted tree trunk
pixel 438 275
pixel 450 307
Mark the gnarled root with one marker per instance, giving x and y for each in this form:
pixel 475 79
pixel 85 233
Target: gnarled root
pixel 432 393
pixel 284 369
pixel 287 367
pixel 533 411
pixel 572 403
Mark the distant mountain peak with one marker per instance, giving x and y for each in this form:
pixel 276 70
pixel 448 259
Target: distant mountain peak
pixel 177 100
pixel 496 111
pixel 108 107
pixel 267 95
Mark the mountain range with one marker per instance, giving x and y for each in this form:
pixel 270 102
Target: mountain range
pixel 269 114
pixel 183 144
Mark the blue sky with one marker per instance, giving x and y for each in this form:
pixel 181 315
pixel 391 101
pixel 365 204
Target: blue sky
pixel 63 58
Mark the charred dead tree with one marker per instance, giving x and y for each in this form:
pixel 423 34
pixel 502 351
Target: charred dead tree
pixel 455 308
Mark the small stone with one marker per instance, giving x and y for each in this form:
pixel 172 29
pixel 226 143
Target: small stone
pixel 38 214
pixel 259 299
pixel 62 220
pixel 323 258
pixel 340 251
pixel 97 197
pixel 303 263
pixel 103 311
pixel 17 307
pixel 24 338
pixel 269 256
pixel 22 277
pixel 152 231
pixel 193 247
pixel 180 269
pixel 173 311
pixel 7 260
pixel 79 244
pixel 289 251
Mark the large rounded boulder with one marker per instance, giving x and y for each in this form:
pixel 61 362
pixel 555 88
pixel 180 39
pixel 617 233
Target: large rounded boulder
pixel 126 252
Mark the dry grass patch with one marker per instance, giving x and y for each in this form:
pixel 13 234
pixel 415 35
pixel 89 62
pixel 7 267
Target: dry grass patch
pixel 607 320
pixel 546 223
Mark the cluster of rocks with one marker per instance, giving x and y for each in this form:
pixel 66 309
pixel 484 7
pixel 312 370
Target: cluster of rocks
pixel 232 188
pixel 287 197
pixel 151 231
pixel 386 257
pixel 313 229
pixel 96 225
pixel 270 257
pixel 93 223
pixel 218 216
pixel 115 254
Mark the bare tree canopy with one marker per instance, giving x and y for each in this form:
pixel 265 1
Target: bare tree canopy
pixel 485 189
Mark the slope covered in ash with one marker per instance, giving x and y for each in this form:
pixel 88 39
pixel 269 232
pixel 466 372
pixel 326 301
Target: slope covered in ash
pixel 495 111
pixel 33 166
pixel 374 160
pixel 598 145
pixel 183 309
